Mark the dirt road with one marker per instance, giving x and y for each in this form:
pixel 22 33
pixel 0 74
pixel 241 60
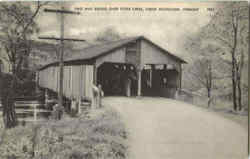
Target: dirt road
pixel 161 128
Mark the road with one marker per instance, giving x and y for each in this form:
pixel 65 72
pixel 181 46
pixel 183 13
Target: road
pixel 161 128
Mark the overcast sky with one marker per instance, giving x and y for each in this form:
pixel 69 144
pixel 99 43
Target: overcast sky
pixel 165 28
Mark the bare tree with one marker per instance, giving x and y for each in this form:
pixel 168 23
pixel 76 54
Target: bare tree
pixel 207 66
pixel 202 71
pixel 228 30
pixel 17 26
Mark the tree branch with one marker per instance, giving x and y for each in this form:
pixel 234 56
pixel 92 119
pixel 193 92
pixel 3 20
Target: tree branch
pixel 198 78
pixel 39 5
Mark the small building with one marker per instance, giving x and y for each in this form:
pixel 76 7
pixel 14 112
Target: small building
pixel 131 67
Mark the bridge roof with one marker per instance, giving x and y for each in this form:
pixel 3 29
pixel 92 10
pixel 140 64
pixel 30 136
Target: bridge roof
pixel 95 51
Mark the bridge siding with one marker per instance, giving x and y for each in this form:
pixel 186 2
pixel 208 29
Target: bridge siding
pixel 77 80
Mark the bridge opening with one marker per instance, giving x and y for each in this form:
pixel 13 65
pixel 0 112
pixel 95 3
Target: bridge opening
pixel 159 80
pixel 117 79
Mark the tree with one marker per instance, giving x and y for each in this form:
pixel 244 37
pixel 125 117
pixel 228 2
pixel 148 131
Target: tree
pixel 206 66
pixel 228 30
pixel 201 73
pixel 16 29
pixel 109 34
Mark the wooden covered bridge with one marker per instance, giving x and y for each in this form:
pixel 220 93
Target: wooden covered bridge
pixel 133 67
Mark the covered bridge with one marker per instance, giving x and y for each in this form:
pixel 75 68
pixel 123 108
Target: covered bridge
pixel 133 67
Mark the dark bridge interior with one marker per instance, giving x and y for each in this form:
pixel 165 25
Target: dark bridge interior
pixel 117 79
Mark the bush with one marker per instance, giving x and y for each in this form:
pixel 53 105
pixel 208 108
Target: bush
pixel 26 88
pixel 99 134
pixel 17 143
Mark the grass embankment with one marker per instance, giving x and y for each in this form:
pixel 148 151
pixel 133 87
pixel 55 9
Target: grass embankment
pixel 225 109
pixel 99 134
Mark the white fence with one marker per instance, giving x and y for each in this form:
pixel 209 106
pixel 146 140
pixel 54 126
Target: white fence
pixel 30 111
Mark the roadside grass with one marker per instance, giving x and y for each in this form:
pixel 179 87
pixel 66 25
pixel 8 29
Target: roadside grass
pixel 240 119
pixel 225 109
pixel 96 134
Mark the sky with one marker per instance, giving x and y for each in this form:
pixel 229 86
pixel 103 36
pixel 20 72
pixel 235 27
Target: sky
pixel 166 28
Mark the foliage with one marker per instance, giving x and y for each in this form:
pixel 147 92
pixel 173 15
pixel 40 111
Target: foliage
pixel 228 30
pixel 100 134
pixel 109 34
pixel 16 29
pixel 224 43
pixel 205 67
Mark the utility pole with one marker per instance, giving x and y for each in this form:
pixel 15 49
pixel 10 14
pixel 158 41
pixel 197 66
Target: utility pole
pixel 61 11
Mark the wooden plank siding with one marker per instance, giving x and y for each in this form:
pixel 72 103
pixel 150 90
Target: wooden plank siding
pixel 133 54
pixel 152 55
pixel 77 82
pixel 116 56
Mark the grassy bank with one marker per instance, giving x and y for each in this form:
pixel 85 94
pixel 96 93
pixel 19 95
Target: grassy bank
pixel 225 109
pixel 97 134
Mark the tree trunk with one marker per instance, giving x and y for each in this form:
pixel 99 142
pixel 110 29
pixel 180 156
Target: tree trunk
pixel 209 83
pixel 234 83
pixel 235 32
pixel 239 73
pixel 239 93
pixel 8 87
pixel 9 114
pixel 209 97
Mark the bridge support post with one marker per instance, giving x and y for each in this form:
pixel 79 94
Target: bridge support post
pixel 139 83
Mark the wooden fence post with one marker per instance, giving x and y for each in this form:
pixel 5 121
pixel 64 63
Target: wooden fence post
pixel 35 113
pixel 79 106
